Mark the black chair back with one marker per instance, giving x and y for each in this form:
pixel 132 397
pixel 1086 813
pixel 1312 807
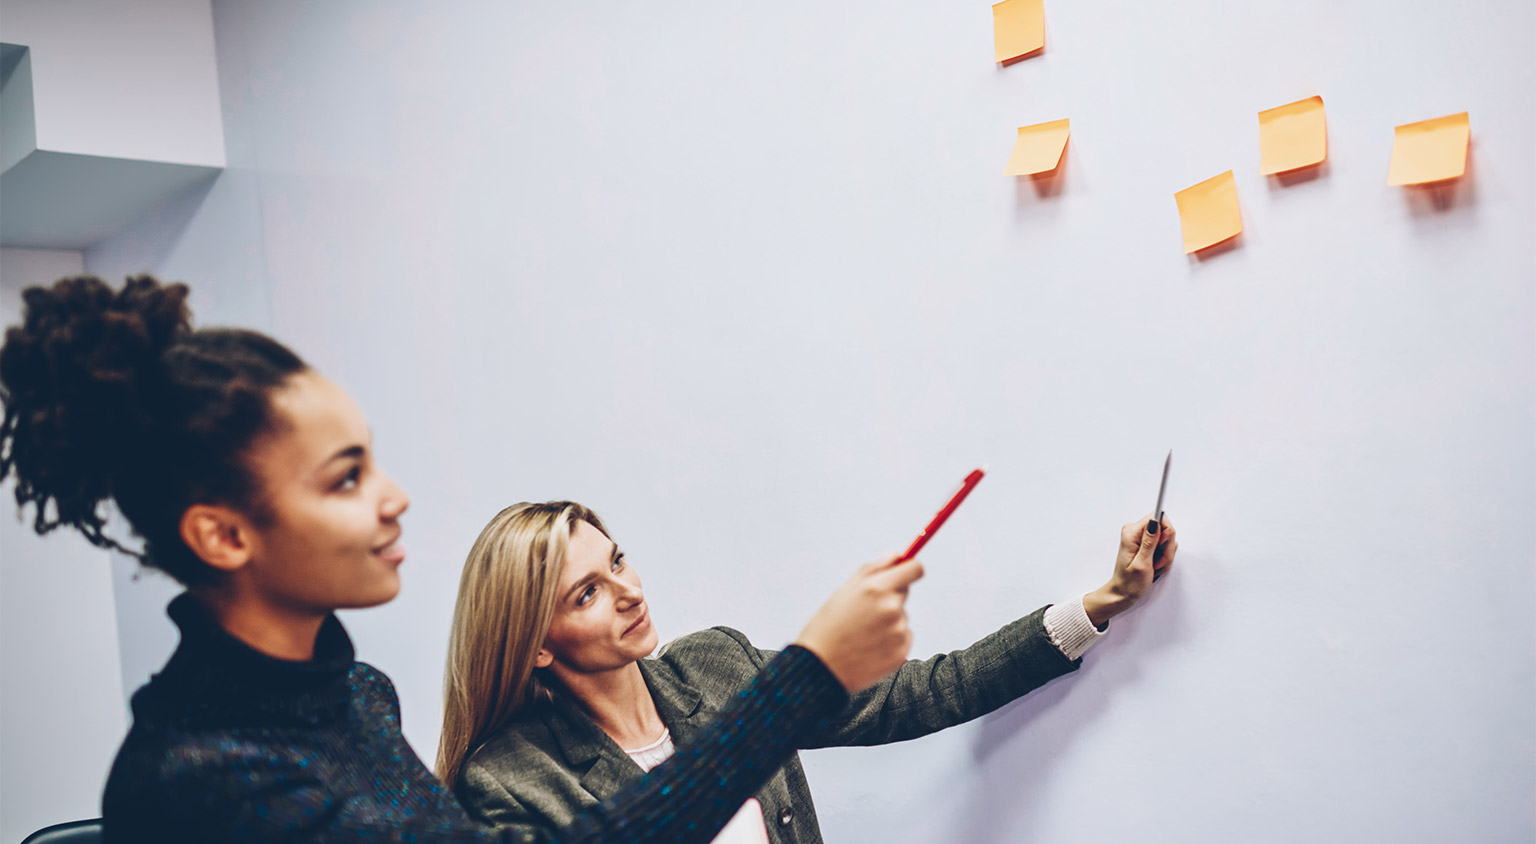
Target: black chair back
pixel 74 832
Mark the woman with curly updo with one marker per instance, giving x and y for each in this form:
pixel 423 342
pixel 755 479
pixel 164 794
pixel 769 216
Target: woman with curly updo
pixel 251 479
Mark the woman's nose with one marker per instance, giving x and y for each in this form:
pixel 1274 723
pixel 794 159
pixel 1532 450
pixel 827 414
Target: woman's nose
pixel 630 593
pixel 395 501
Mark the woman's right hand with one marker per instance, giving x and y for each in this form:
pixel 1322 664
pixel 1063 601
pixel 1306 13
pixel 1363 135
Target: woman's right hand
pixel 1147 549
pixel 861 632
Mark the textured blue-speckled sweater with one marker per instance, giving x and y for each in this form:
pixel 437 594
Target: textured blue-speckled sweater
pixel 229 744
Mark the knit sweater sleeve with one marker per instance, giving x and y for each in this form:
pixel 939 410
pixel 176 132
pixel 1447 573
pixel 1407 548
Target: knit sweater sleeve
pixel 170 786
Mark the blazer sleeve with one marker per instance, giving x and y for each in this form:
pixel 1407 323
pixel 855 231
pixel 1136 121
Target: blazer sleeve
pixel 925 696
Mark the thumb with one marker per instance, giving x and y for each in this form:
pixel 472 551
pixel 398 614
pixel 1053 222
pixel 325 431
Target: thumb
pixel 1149 538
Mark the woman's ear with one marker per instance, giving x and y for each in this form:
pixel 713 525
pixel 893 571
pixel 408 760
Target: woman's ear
pixel 220 536
pixel 543 659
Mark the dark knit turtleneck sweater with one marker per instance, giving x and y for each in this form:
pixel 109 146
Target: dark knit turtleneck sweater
pixel 229 744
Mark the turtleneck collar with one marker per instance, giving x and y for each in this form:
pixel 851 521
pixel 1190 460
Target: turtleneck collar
pixel 214 678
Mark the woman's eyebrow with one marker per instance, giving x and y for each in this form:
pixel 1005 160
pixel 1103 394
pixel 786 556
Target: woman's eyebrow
pixel 580 583
pixel 352 452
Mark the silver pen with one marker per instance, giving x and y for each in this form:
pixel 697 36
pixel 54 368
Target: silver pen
pixel 1157 512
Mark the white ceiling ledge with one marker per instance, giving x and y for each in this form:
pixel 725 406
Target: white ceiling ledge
pixel 104 117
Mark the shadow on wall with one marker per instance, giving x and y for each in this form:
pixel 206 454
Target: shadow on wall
pixel 1231 244
pixel 147 243
pixel 1028 189
pixel 1028 750
pixel 1430 203
pixel 1299 176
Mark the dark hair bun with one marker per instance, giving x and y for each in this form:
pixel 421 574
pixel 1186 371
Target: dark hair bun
pixel 78 377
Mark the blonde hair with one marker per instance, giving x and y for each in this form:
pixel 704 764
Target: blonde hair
pixel 506 602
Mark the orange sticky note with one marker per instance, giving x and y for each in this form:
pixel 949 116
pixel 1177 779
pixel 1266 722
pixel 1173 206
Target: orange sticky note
pixel 1038 148
pixel 1209 213
pixel 1430 150
pixel 1018 28
pixel 1292 136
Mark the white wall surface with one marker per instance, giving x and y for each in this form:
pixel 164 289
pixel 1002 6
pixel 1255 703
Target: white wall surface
pixel 124 79
pixel 747 279
pixel 62 713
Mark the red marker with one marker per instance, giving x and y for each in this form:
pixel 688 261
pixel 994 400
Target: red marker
pixel 970 483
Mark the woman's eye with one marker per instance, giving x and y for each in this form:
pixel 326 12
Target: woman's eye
pixel 618 562
pixel 586 596
pixel 350 479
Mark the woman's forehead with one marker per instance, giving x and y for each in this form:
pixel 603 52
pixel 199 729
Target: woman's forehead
pixel 316 421
pixel 588 549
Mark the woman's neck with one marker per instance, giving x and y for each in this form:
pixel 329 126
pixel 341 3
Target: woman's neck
pixel 619 703
pixel 270 630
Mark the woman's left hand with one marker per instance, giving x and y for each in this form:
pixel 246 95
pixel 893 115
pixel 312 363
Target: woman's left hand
pixel 1146 553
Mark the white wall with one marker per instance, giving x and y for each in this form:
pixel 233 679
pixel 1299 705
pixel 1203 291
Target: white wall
pixel 62 713
pixel 747 280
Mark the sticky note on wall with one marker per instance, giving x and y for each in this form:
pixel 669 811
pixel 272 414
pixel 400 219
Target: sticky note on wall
pixel 1430 150
pixel 1208 212
pixel 1018 29
pixel 1038 148
pixel 1292 136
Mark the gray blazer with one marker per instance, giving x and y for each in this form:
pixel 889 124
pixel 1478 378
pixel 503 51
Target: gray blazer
pixel 551 762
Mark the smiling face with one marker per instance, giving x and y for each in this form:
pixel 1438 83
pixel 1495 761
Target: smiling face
pixel 329 536
pixel 601 620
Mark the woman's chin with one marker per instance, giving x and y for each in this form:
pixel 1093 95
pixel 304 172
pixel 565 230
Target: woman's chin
pixel 650 640
pixel 636 647
pixel 380 592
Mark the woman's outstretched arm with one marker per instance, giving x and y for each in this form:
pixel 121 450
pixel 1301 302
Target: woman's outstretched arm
pixel 925 696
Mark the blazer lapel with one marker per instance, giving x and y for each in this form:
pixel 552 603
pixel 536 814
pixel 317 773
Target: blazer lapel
pixel 609 773
pixel 607 766
pixel 587 748
pixel 677 702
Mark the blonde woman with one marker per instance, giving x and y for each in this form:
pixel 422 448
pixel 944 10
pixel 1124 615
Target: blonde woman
pixel 552 704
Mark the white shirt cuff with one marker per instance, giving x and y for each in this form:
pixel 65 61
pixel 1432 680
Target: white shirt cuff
pixel 1070 630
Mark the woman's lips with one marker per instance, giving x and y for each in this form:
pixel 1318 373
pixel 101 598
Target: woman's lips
pixel 393 553
pixel 640 623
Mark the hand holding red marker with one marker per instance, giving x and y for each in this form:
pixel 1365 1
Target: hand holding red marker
pixel 869 652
